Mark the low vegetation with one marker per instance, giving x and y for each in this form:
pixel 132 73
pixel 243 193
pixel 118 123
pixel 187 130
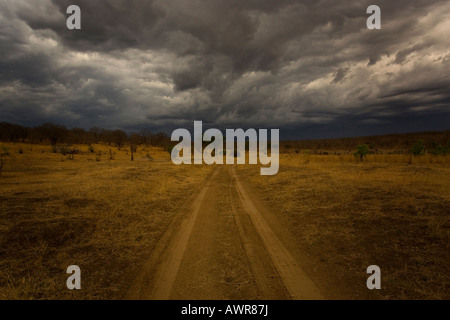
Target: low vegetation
pixel 418 148
pixel 369 202
pixel 361 151
pixel 99 211
pixel 389 210
pixel 54 134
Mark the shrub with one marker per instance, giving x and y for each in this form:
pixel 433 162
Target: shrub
pixel 91 149
pixel 440 149
pixel 64 150
pixel 361 151
pixel 418 148
pixel 169 148
pixel 5 150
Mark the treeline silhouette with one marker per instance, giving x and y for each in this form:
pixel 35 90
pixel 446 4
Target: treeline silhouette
pixel 57 134
pixel 398 143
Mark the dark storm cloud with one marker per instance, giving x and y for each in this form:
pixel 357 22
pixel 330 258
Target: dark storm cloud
pixel 340 74
pixel 288 64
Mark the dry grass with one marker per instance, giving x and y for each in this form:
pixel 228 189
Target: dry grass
pixel 106 215
pixel 102 215
pixel 391 210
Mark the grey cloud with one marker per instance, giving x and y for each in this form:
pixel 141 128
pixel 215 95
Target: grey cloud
pixel 401 56
pixel 340 74
pixel 292 64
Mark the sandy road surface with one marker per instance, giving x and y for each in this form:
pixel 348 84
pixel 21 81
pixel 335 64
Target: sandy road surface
pixel 223 245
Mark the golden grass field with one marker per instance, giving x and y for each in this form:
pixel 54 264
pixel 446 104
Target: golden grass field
pixel 390 210
pixel 106 215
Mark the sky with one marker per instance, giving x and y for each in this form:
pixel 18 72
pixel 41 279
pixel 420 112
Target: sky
pixel 310 68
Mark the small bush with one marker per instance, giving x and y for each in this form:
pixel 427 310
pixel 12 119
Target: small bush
pixel 64 150
pixel 440 149
pixel 5 150
pixel 361 151
pixel 418 148
pixel 91 149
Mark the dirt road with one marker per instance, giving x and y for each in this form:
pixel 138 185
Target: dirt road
pixel 224 245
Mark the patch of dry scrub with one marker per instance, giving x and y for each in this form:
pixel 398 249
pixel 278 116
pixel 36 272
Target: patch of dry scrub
pixel 100 214
pixel 388 211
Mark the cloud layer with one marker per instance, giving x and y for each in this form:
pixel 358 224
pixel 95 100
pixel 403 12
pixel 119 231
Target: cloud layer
pixel 310 68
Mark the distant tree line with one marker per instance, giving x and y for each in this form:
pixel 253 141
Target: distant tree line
pixel 437 142
pixel 56 134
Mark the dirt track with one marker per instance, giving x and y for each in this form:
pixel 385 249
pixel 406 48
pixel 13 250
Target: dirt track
pixel 225 245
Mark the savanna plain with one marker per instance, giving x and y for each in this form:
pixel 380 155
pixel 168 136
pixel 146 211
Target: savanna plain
pixel 105 213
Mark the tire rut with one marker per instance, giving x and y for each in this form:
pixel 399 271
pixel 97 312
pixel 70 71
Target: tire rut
pixel 221 247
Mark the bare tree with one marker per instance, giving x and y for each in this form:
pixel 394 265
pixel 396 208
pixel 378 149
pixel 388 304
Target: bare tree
pixel 133 149
pixel 78 136
pixel 146 135
pixel 12 132
pixel 135 140
pixel 119 137
pixel 96 134
pixel 53 132
pixel 160 139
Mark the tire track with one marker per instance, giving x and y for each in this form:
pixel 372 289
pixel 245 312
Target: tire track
pixel 156 279
pixel 269 283
pixel 220 246
pixel 295 279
